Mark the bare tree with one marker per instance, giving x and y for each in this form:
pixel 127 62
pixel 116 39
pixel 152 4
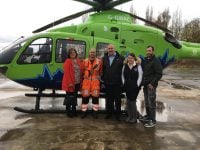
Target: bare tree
pixel 132 11
pixel 191 31
pixel 177 24
pixel 164 18
pixel 149 14
pixel 85 17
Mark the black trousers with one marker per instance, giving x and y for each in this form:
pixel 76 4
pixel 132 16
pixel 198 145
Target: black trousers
pixel 113 98
pixel 71 106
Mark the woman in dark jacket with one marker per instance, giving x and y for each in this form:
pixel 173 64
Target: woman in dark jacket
pixel 132 78
pixel 71 81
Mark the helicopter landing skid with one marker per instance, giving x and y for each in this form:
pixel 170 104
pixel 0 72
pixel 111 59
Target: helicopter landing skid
pixel 37 103
pixel 38 96
pixel 34 111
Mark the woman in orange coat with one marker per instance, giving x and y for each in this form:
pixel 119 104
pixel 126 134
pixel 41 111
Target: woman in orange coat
pixel 71 81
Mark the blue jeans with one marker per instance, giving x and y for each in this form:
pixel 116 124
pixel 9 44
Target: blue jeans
pixel 150 102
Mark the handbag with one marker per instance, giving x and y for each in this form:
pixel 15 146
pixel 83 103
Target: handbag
pixel 70 99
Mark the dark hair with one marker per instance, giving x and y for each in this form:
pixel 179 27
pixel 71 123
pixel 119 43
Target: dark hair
pixel 70 51
pixel 151 47
pixel 133 55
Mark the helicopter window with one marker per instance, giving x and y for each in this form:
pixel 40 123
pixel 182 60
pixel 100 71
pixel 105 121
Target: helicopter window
pixel 64 45
pixel 114 29
pixel 9 52
pixel 101 49
pixel 39 51
pixel 171 39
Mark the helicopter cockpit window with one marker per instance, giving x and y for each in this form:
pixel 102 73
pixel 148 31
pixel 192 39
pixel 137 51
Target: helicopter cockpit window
pixel 101 49
pixel 8 53
pixel 64 45
pixel 39 51
pixel 170 38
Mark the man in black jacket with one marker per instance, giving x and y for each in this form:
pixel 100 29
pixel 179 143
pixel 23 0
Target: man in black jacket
pixel 112 68
pixel 152 73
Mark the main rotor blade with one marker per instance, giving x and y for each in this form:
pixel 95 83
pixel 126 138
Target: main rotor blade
pixel 76 15
pixel 112 4
pixel 94 4
pixel 147 21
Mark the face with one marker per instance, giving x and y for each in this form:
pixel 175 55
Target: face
pixel 111 49
pixel 130 59
pixel 72 54
pixel 92 55
pixel 149 52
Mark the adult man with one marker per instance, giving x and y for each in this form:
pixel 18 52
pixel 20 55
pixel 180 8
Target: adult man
pixel 112 68
pixel 92 68
pixel 152 73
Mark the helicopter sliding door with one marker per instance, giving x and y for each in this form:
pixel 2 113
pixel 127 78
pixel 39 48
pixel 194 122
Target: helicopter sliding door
pixel 61 54
pixel 138 40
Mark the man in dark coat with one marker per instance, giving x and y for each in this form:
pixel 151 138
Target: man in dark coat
pixel 112 69
pixel 152 73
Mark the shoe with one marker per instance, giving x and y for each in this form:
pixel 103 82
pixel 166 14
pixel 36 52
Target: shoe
pixel 69 115
pixel 117 117
pixel 108 116
pixel 150 124
pixel 95 114
pixel 133 121
pixel 127 119
pixel 84 115
pixel 143 118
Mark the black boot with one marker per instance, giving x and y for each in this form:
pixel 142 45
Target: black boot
pixel 68 110
pixel 133 112
pixel 74 112
pixel 95 114
pixel 84 114
pixel 128 111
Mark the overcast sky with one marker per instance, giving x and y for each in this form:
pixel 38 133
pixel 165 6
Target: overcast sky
pixel 21 17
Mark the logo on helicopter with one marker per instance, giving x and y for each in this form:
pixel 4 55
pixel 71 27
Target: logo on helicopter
pixel 121 18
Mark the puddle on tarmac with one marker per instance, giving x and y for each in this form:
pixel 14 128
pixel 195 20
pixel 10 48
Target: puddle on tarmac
pixel 162 110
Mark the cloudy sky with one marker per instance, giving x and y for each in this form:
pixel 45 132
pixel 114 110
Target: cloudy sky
pixel 21 17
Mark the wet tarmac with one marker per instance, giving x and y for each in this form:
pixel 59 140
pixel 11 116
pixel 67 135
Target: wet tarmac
pixel 178 121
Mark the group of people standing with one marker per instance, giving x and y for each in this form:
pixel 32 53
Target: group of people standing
pixel 116 73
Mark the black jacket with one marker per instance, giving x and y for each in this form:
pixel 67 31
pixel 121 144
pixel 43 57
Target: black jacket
pixel 152 71
pixel 112 74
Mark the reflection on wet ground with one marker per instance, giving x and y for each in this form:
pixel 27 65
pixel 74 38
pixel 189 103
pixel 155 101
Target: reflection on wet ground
pixel 178 125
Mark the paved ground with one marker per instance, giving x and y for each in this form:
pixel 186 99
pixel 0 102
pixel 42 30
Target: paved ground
pixel 178 124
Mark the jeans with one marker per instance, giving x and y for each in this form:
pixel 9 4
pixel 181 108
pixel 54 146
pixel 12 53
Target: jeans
pixel 150 102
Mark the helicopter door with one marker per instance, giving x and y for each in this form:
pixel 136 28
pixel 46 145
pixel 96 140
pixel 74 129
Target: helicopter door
pixel 62 49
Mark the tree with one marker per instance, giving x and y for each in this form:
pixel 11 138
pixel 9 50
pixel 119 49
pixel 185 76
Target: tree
pixel 164 18
pixel 177 24
pixel 191 31
pixel 132 11
pixel 149 14
pixel 85 17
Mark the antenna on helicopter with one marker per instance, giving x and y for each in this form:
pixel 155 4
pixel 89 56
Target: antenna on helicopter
pixel 97 6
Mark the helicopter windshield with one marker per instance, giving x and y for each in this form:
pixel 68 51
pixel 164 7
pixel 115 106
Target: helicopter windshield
pixel 7 54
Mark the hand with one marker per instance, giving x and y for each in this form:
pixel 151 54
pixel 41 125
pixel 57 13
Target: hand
pixel 71 86
pixel 150 87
